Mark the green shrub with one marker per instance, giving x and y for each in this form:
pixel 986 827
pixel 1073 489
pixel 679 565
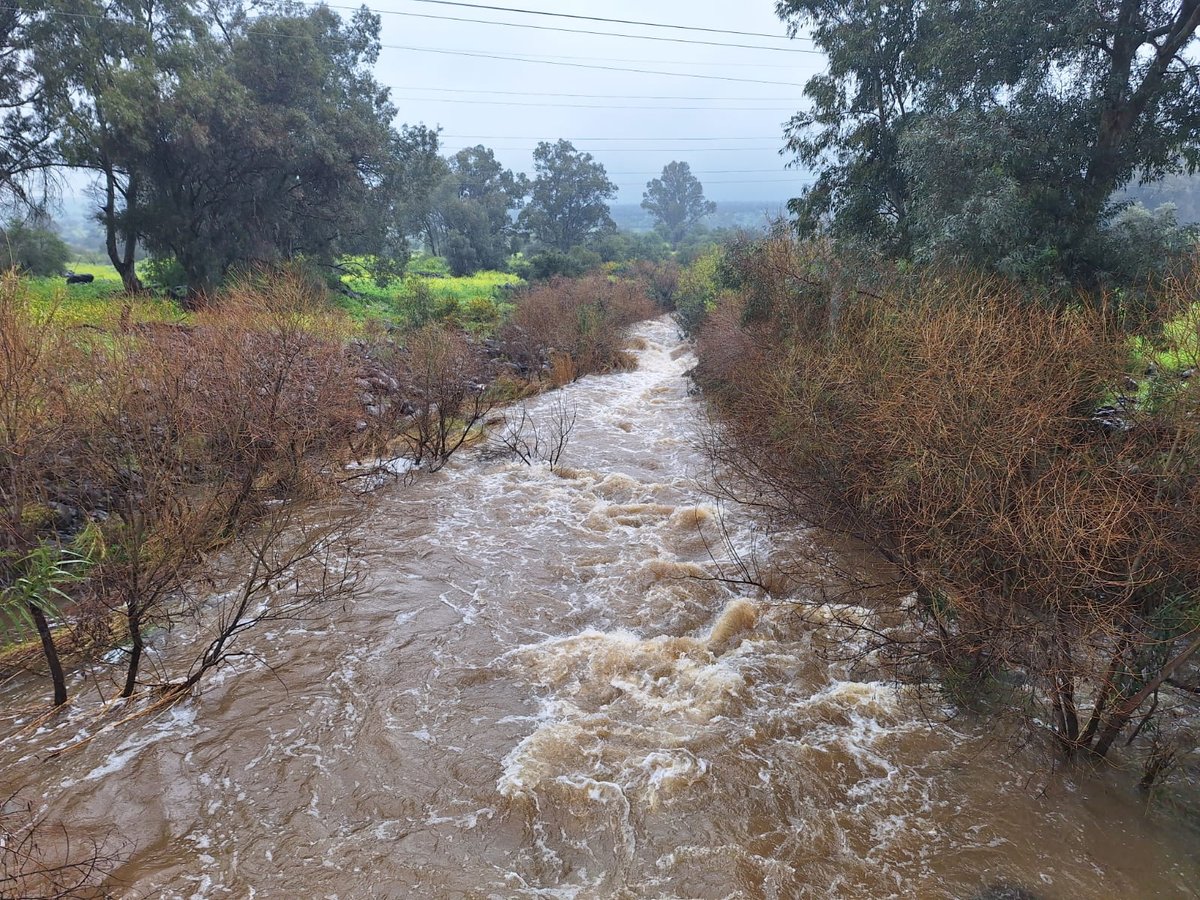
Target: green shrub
pixel 428 266
pixel 163 272
pixel 697 289
pixel 32 249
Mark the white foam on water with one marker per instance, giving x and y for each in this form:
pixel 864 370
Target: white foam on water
pixel 179 720
pixel 579 711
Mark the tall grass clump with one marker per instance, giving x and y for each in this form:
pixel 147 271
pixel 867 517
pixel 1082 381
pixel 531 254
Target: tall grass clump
pixel 1044 506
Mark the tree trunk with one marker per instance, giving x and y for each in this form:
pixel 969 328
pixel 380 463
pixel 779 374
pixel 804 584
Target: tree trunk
pixel 121 243
pixel 134 620
pixel 1123 713
pixel 1125 103
pixel 56 670
pixel 1105 695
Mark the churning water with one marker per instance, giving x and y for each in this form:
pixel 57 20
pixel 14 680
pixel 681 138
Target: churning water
pixel 537 698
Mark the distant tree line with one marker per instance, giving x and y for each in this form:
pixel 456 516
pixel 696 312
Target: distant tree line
pixel 231 134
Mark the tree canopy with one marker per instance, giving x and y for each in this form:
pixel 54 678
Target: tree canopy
pixel 26 135
pixel 676 200
pixel 471 222
pixel 272 151
pixel 102 71
pixel 32 246
pixel 994 132
pixel 222 134
pixel 568 198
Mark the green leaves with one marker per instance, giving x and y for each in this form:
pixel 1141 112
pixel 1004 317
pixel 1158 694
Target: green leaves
pixel 993 134
pixel 676 200
pixel 467 219
pixel 569 200
pixel 44 572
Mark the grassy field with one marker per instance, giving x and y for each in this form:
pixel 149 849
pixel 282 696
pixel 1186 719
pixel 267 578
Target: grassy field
pixel 476 302
pixel 100 302
pixel 1178 348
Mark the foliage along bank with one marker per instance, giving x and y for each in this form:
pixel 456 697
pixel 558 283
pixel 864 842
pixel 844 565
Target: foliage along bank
pixel 1017 465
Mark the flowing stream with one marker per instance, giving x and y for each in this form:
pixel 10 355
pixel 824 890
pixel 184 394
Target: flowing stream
pixel 534 699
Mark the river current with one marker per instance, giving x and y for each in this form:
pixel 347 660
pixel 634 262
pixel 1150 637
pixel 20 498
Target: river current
pixel 536 697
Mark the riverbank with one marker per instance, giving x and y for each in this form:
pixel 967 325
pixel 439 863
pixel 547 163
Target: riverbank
pixel 133 450
pixel 536 695
pixel 1035 490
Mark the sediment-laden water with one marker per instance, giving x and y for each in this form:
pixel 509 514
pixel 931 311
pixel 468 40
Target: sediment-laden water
pixel 536 699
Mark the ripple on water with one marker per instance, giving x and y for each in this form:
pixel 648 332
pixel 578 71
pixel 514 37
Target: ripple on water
pixel 547 694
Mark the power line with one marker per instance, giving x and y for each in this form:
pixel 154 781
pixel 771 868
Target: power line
pixel 664 62
pixel 481 55
pixel 584 96
pixel 514 137
pixel 528 26
pixel 599 106
pixel 559 15
pixel 508 58
pixel 548 62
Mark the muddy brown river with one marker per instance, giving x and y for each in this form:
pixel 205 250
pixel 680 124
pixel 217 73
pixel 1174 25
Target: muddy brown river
pixel 532 699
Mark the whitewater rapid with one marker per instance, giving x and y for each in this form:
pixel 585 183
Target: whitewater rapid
pixel 545 693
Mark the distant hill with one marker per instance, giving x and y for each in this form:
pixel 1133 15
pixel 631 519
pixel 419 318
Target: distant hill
pixel 1182 190
pixel 750 215
pixel 75 218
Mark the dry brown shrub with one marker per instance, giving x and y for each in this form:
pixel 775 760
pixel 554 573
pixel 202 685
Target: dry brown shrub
pixel 445 376
pixel 275 384
pixel 562 368
pixel 165 442
pixel 38 419
pixel 659 280
pixel 195 429
pixel 39 460
pixel 584 318
pixel 953 425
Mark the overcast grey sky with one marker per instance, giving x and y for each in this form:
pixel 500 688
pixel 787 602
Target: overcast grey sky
pixel 730 133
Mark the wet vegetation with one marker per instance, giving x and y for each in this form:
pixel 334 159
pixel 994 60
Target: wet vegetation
pixel 1034 489
pixel 977 367
pixel 172 483
pixel 133 451
pixel 980 365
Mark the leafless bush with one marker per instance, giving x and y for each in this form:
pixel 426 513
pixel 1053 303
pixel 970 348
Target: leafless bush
pixel 531 441
pixel 41 861
pixel 443 377
pixel 659 280
pixel 577 325
pixel 195 430
pixel 297 567
pixel 163 443
pixel 38 430
pixel 274 386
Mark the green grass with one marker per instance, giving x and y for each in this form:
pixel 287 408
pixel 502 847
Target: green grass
pixel 100 302
pixel 477 302
pixel 1176 349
